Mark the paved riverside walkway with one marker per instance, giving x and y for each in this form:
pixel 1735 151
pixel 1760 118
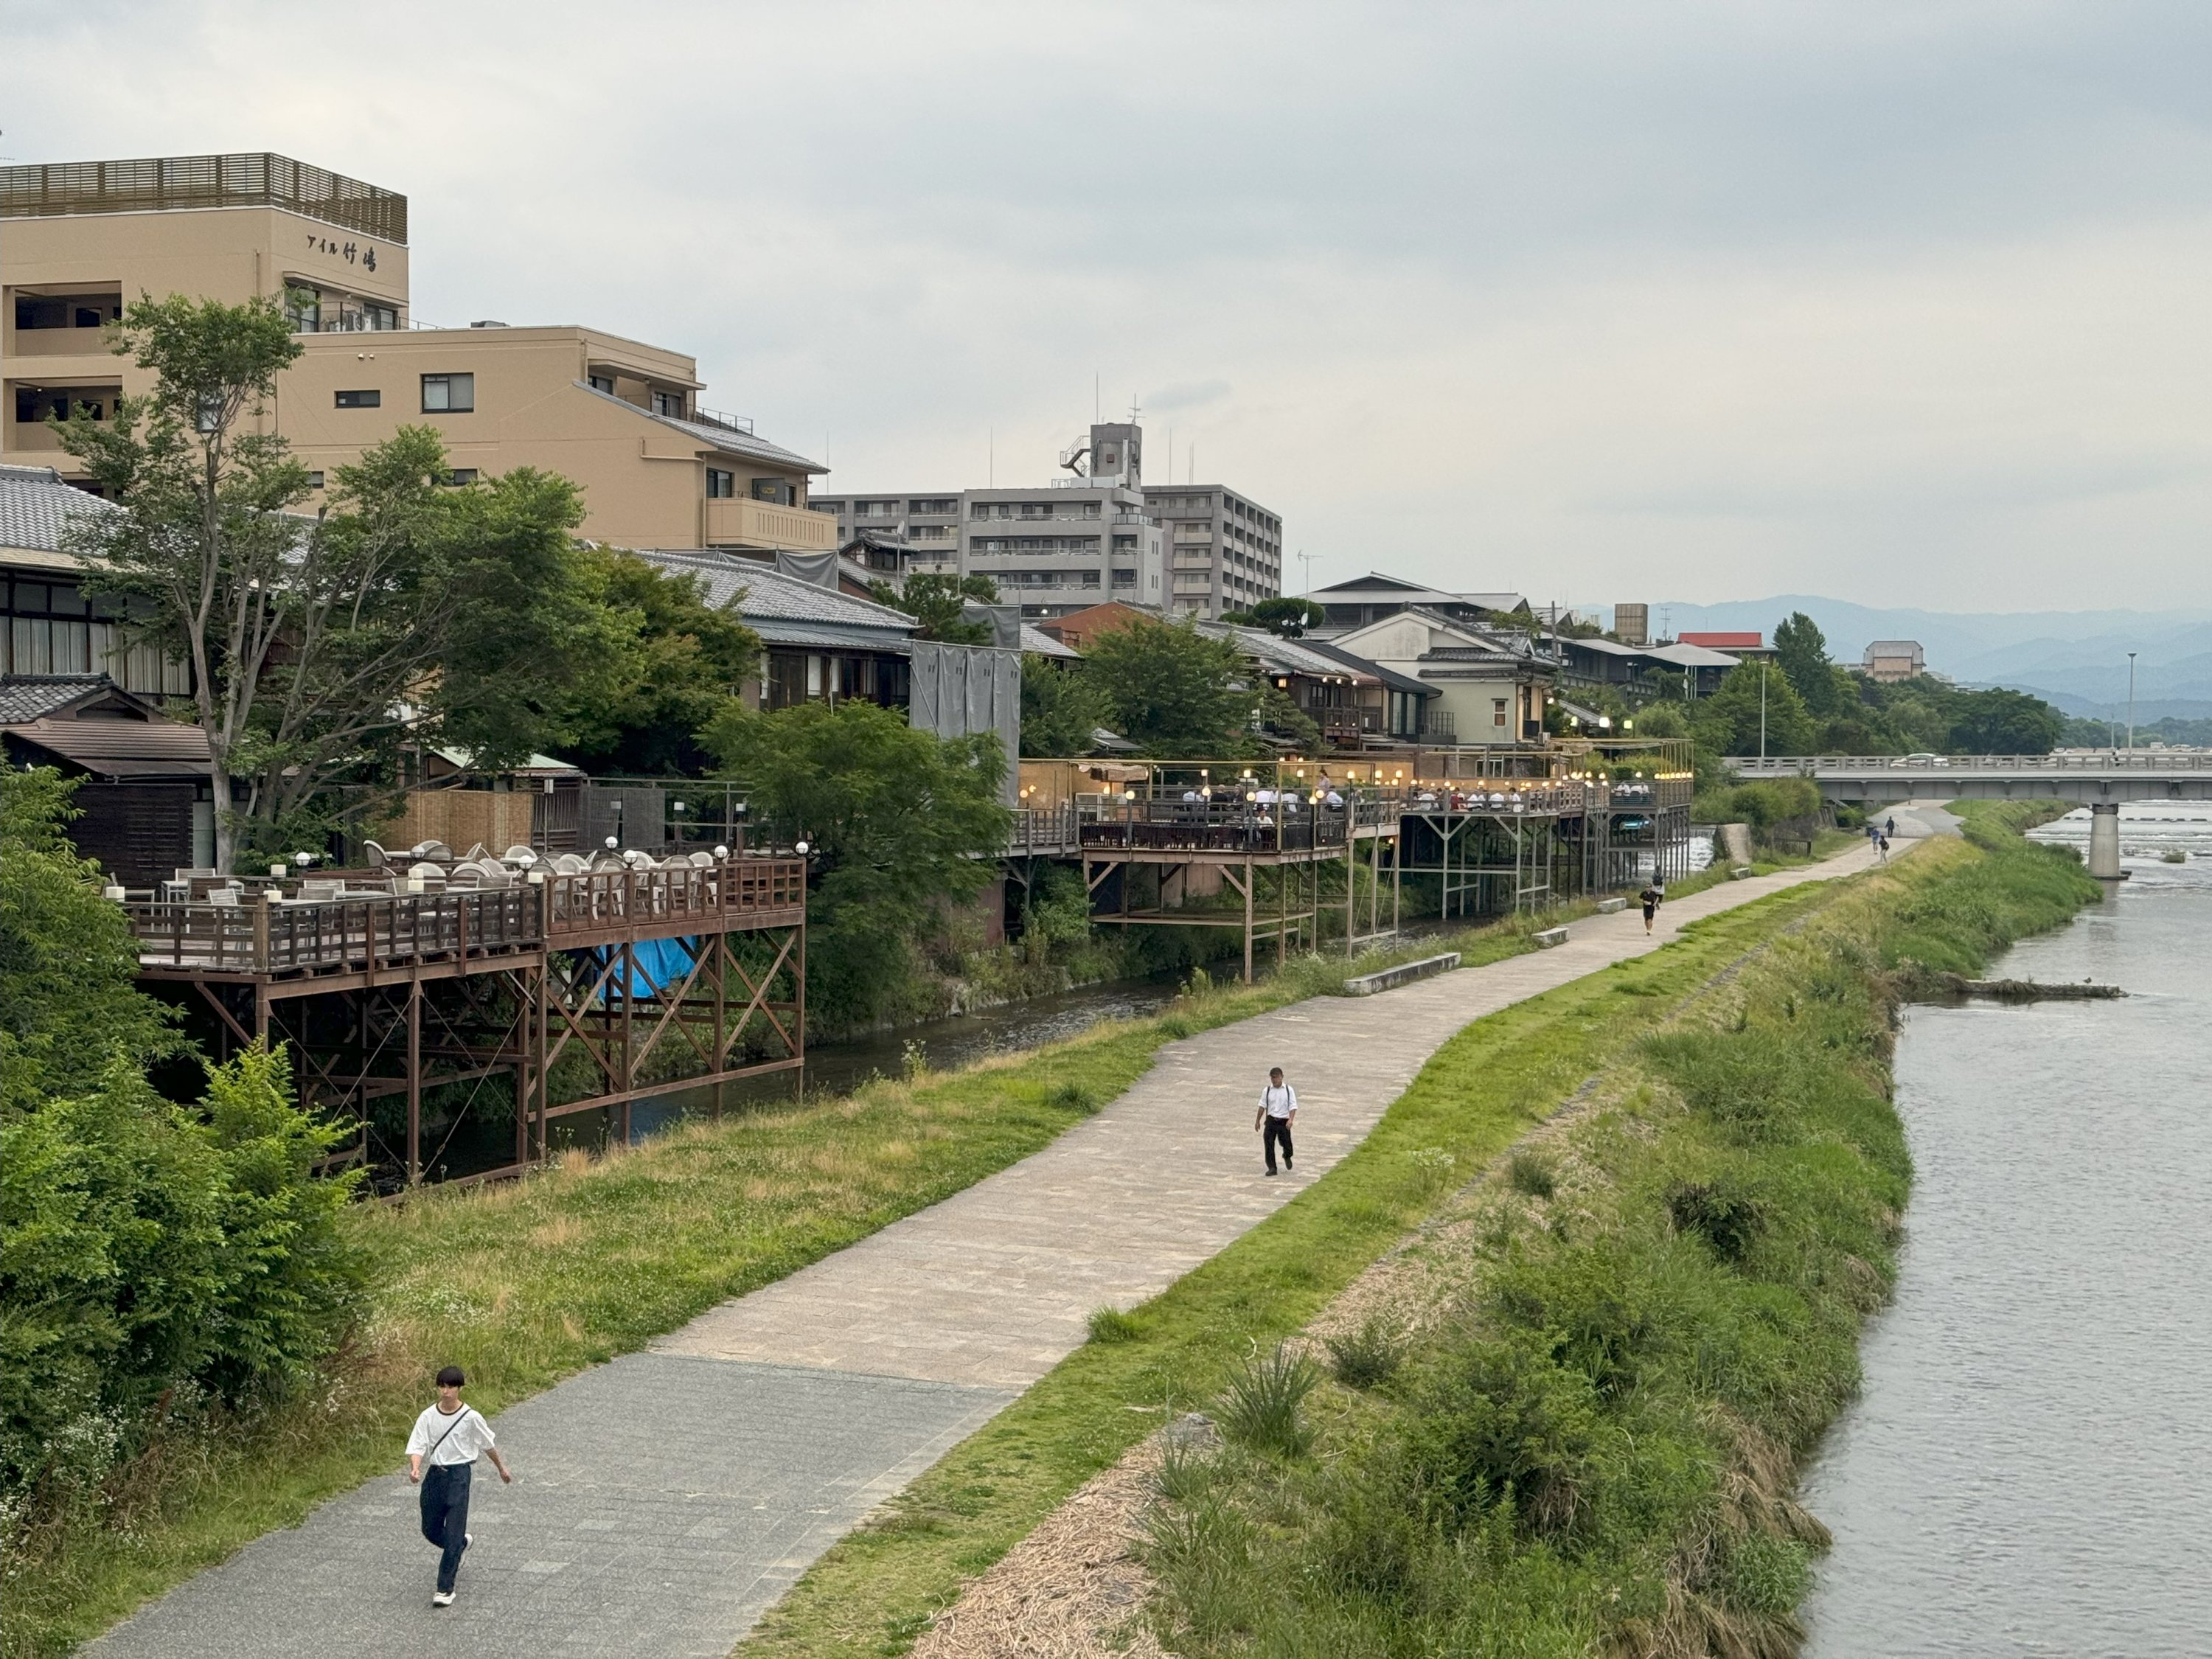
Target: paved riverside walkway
pixel 664 1501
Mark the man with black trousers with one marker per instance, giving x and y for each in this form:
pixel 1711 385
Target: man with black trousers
pixel 449 1438
pixel 1279 1110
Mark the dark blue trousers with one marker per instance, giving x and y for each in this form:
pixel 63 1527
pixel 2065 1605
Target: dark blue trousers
pixel 445 1517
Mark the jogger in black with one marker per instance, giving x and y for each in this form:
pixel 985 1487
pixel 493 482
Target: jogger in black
pixel 1279 1110
pixel 448 1438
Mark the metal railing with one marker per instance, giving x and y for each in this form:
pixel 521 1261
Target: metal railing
pixel 245 179
pixel 2101 759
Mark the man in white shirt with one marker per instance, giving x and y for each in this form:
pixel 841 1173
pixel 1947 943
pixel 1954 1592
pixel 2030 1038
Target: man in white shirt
pixel 449 1437
pixel 1279 1110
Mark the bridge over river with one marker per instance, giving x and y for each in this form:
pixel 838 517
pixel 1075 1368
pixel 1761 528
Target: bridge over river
pixel 2085 777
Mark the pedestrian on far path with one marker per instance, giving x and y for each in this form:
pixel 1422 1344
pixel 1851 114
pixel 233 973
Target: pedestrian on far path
pixel 1651 897
pixel 1884 845
pixel 1890 827
pixel 448 1438
pixel 1279 1110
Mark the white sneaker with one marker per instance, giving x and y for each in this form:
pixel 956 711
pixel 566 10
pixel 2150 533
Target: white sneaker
pixel 467 1539
pixel 442 1599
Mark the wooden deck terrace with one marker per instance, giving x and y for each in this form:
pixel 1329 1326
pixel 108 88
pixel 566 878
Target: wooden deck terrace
pixel 1236 831
pixel 365 938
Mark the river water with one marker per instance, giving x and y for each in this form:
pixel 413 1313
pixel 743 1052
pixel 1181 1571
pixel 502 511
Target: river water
pixel 2028 1468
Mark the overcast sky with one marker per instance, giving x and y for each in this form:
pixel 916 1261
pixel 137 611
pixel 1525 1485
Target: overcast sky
pixel 1906 303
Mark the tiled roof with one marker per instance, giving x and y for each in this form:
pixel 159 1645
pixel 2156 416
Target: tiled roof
pixel 731 440
pixel 773 603
pixel 34 504
pixel 27 697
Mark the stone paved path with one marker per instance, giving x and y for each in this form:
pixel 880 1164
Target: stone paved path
pixel 664 1501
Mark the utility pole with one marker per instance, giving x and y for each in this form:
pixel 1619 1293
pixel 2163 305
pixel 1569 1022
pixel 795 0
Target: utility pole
pixel 1762 708
pixel 1307 559
pixel 2131 703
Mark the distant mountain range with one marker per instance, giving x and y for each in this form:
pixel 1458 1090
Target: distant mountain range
pixel 2076 659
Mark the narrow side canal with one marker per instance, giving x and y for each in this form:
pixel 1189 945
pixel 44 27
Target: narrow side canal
pixel 2029 1468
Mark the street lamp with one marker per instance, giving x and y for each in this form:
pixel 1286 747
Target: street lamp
pixel 2131 703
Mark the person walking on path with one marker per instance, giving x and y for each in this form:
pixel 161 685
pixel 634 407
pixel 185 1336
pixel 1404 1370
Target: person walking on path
pixel 1651 897
pixel 1279 1110
pixel 449 1437
pixel 1890 827
pixel 1883 843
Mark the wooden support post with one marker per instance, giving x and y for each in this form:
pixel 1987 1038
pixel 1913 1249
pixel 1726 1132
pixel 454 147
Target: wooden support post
pixel 541 1065
pixel 627 1072
pixel 1248 921
pixel 720 944
pixel 414 1082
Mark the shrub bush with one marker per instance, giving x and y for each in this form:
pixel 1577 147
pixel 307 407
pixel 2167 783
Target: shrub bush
pixel 1366 1355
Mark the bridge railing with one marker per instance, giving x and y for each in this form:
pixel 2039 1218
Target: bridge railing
pixel 2097 762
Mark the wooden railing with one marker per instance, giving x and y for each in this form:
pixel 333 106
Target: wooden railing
pixel 265 932
pixel 666 900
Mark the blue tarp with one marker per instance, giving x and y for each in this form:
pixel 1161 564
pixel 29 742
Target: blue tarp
pixel 657 965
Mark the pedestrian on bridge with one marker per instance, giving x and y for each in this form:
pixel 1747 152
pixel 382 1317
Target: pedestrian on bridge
pixel 449 1437
pixel 1279 1110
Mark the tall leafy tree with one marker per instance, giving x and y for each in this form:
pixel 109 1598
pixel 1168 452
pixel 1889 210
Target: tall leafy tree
pixel 1801 651
pixel 685 658
pixel 410 611
pixel 1175 692
pixel 1728 722
pixel 1062 710
pixel 895 817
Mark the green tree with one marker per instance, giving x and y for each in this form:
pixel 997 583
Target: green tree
pixel 1729 721
pixel 410 609
pixel 1801 651
pixel 1173 691
pixel 935 602
pixel 1061 709
pixel 2002 722
pixel 895 817
pixel 1280 714
pixel 683 661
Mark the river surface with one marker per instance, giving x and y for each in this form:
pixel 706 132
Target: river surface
pixel 2028 1469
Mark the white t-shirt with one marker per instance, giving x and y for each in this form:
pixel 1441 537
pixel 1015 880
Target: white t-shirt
pixel 1278 1102
pixel 467 1437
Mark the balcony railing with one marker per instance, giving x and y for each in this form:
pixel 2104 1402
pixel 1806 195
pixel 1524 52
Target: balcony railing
pixel 249 179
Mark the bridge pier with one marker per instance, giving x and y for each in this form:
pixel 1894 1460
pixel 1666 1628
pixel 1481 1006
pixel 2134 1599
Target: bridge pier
pixel 2105 840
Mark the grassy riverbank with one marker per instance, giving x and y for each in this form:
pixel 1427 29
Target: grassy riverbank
pixel 528 1282
pixel 1332 1552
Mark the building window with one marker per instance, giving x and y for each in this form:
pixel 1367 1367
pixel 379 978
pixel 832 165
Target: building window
pixel 1125 544
pixel 314 481
pixel 1497 711
pixel 303 306
pixel 721 485
pixel 670 404
pixel 370 399
pixel 449 394
pixel 460 475
pixel 603 383
pixel 778 490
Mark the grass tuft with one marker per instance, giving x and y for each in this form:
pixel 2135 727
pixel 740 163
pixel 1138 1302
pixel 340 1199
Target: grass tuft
pixel 1111 1324
pixel 1532 1174
pixel 1263 1408
pixel 1367 1355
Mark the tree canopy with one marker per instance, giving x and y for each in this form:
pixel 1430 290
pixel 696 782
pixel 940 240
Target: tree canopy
pixel 1173 691
pixel 1061 709
pixel 410 609
pixel 1285 614
pixel 893 817
pixel 934 601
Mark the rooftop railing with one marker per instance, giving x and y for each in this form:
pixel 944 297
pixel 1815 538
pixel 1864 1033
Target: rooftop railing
pixel 248 178
pixel 2098 760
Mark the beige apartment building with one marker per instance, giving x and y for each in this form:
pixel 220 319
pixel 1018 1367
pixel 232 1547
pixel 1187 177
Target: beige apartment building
pixel 79 240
